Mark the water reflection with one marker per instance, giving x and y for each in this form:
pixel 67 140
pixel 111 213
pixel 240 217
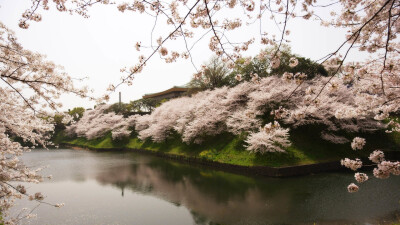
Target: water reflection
pixel 229 198
pixel 215 197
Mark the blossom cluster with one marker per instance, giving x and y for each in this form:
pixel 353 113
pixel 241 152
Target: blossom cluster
pixel 383 168
pixel 360 177
pixel 271 138
pixel 351 164
pixel 357 143
pixel 352 188
pixel 96 123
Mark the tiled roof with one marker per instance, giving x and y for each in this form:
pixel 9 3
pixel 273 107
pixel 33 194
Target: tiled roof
pixel 173 89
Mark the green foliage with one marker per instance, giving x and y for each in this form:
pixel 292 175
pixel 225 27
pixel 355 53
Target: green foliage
pixel 140 106
pixel 98 143
pixel 59 137
pixel 144 105
pixel 76 113
pixel 123 108
pixel 95 106
pixel 261 65
pixel 162 101
pixel 256 65
pixel 215 75
pixel 58 124
pixel 305 65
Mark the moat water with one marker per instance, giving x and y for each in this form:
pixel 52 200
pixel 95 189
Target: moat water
pixel 130 188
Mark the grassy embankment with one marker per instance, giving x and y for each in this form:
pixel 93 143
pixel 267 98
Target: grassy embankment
pixel 307 148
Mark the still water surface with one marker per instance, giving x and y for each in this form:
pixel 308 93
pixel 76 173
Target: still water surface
pixel 129 188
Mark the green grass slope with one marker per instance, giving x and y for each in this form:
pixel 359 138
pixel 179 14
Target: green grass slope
pixel 307 148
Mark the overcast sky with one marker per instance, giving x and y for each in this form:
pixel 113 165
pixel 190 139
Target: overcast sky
pixel 98 47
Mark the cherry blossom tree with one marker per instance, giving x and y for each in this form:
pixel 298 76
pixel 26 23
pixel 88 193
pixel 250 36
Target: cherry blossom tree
pixel 30 87
pixel 97 122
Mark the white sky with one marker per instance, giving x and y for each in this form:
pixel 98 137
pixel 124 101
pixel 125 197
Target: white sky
pixel 100 46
